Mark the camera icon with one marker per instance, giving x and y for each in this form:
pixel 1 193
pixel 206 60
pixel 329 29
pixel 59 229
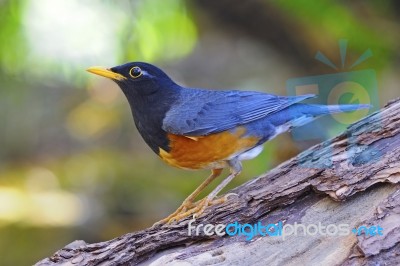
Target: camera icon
pixel 350 87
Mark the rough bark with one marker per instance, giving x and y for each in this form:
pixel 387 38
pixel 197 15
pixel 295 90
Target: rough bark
pixel 351 179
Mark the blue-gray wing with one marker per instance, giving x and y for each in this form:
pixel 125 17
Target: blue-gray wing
pixel 203 112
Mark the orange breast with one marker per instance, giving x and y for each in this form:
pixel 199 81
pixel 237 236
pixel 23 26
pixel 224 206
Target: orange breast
pixel 210 151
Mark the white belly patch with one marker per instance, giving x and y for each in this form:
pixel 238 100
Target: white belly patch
pixel 250 154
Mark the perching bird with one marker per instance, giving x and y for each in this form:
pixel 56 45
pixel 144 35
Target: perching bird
pixel 194 128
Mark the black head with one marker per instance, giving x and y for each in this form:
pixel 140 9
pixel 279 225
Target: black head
pixel 137 78
pixel 150 93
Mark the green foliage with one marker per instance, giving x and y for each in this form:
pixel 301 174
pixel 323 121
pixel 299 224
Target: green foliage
pixel 328 21
pixel 160 30
pixel 13 46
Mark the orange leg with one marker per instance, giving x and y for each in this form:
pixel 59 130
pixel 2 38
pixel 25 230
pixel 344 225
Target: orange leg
pixel 188 202
pixel 198 208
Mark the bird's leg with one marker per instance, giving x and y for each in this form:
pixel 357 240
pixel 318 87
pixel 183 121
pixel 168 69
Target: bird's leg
pixel 199 208
pixel 213 202
pixel 188 202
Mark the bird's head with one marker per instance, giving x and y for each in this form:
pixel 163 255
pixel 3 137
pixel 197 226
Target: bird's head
pixel 136 78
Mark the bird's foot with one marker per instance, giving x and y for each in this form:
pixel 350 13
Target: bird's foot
pixel 189 208
pixel 170 218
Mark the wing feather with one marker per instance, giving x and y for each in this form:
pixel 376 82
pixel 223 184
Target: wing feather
pixel 203 112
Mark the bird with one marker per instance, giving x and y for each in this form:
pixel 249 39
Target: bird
pixel 196 128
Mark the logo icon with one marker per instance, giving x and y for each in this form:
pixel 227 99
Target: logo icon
pixel 344 86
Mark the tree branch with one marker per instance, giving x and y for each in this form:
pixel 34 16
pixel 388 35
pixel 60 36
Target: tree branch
pixel 326 183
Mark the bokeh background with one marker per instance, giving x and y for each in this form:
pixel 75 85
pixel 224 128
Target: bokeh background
pixel 72 165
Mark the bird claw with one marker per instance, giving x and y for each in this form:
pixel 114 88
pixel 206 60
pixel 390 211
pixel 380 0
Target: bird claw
pixel 195 209
pixel 172 217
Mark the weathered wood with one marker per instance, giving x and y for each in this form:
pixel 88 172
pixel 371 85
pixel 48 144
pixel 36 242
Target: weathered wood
pixel 333 182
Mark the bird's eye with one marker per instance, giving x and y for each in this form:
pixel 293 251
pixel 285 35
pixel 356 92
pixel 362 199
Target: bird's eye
pixel 135 72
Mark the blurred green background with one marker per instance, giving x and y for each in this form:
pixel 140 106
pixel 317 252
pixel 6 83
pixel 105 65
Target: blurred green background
pixel 72 165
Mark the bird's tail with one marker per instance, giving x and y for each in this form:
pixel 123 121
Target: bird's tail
pixel 318 110
pixel 333 109
pixel 300 114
